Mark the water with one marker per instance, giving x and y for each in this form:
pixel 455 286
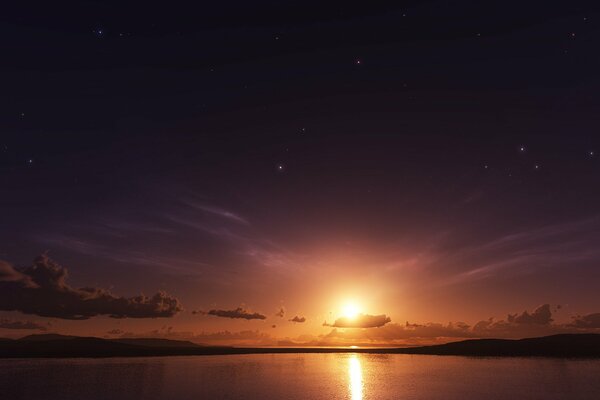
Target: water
pixel 300 376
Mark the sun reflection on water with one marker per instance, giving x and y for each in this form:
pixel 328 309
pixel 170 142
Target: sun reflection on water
pixel 356 378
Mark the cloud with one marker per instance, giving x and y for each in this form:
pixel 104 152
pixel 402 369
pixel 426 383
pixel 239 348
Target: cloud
pixel 244 241
pixel 532 248
pixel 590 321
pixel 298 319
pixel 525 324
pixel 239 312
pixel 42 289
pixel 15 324
pixel 281 312
pixel 541 316
pixel 9 274
pixel 537 323
pixel 361 321
pixel 217 211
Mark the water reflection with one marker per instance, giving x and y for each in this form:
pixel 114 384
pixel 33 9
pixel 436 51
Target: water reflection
pixel 300 377
pixel 356 378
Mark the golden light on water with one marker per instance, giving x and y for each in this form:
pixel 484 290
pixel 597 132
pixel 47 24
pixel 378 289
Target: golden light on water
pixel 356 378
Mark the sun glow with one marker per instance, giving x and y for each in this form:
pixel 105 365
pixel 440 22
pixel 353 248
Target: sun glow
pixel 350 310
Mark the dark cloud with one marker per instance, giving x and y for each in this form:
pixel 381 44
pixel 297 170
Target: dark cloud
pixel 298 319
pixel 9 274
pixel 526 324
pixel 227 336
pixel 16 324
pixel 541 316
pixel 239 312
pixel 590 321
pixel 42 289
pixel 361 321
pixel 281 312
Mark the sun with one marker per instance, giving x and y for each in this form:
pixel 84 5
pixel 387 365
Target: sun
pixel 350 310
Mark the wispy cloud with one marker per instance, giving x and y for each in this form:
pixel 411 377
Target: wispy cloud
pixel 243 240
pixel 214 210
pixel 528 249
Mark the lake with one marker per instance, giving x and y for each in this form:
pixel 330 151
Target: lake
pixel 300 376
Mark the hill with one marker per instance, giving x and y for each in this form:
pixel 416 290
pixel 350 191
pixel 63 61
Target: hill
pixel 51 345
pixel 565 345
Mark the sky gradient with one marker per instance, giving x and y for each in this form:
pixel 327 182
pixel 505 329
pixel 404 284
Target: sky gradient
pixel 239 174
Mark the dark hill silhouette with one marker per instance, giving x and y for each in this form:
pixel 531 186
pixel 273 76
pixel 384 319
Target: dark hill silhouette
pixel 565 345
pixel 153 342
pixel 43 337
pixel 50 345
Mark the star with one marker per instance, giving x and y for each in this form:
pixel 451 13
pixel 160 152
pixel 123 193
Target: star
pixel 592 154
pixel 280 167
pixel 358 62
pixel 30 161
pixel 522 149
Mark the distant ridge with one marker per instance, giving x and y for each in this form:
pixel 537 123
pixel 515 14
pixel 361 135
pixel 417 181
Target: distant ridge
pixel 53 345
pixel 152 342
pixel 42 337
pixel 564 345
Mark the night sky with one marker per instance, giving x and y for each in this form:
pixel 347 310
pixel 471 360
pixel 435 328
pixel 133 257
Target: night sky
pixel 253 168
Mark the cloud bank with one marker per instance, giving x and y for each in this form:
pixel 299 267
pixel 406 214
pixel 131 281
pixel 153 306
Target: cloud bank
pixel 298 319
pixel 239 312
pixel 392 334
pixel 361 321
pixel 42 289
pixel 16 324
pixel 590 321
pixel 539 322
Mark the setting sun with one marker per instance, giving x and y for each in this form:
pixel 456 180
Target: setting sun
pixel 350 310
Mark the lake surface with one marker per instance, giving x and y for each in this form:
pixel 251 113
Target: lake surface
pixel 300 376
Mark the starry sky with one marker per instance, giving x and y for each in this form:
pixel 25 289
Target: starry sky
pixel 239 172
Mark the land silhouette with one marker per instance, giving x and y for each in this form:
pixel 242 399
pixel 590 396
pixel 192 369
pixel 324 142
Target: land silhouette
pixel 61 346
